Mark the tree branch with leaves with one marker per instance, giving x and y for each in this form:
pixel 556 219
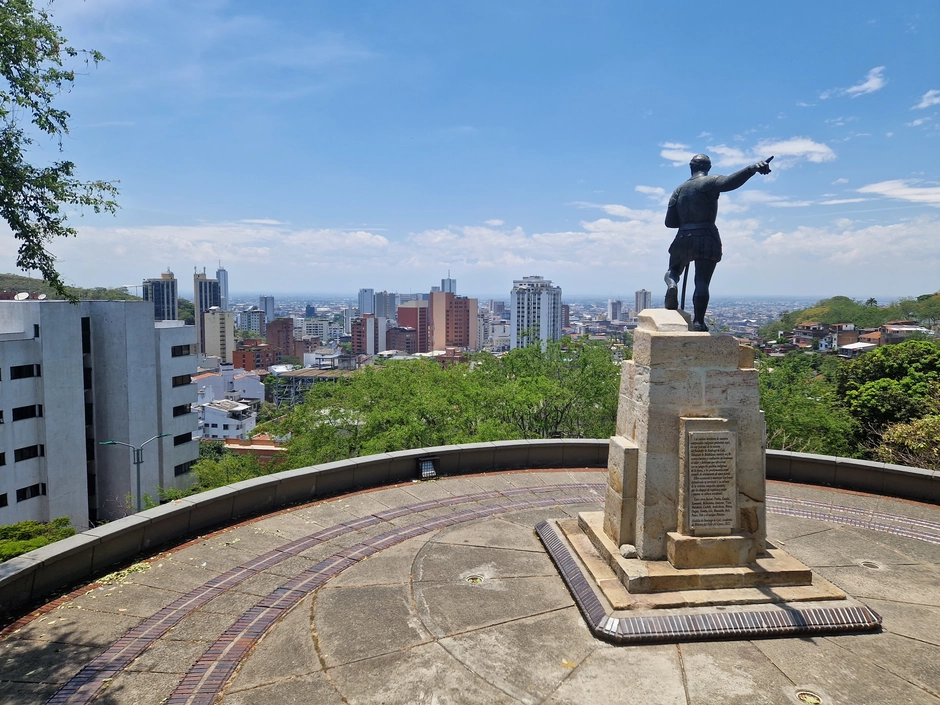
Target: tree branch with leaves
pixel 34 198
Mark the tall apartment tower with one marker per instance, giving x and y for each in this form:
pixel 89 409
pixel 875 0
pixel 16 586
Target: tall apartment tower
pixel 252 319
pixel 75 375
pixel 164 294
pixel 449 285
pixel 368 334
pixel 279 333
pixel 266 304
pixel 206 294
pixel 614 309
pixel 644 299
pixel 366 301
pixel 222 275
pixel 536 312
pixel 414 314
pixel 386 304
pixel 349 315
pixel 452 321
pixel 219 327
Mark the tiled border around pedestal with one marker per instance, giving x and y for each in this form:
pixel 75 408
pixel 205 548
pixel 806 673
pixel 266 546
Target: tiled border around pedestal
pixel 790 620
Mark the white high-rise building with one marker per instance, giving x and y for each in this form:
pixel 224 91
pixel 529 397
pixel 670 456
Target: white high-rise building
pixel 366 301
pixel 535 312
pixel 220 333
pixel 222 275
pixel 76 375
pixel 644 299
pixel 614 309
pixel 349 315
pixel 253 319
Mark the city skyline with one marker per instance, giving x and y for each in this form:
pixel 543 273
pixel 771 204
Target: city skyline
pixel 333 147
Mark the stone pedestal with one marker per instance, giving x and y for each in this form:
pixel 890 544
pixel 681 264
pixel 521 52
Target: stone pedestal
pixel 688 457
pixel 684 520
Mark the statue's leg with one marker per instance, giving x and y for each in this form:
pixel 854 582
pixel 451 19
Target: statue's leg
pixel 672 279
pixel 704 269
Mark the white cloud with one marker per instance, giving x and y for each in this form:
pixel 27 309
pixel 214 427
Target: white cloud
pixel 931 97
pixel 262 221
pixel 840 181
pixel 655 193
pixel 676 153
pixel 840 121
pixel 787 153
pixel 918 122
pixel 795 149
pixel 494 222
pixel 874 81
pixel 647 216
pixel 890 247
pixel 805 105
pixel 840 201
pixel 905 190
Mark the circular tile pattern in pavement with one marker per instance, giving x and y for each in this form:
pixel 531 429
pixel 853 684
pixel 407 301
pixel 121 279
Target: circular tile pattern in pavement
pixel 365 598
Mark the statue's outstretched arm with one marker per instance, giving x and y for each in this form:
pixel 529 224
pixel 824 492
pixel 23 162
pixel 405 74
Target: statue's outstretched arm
pixel 738 178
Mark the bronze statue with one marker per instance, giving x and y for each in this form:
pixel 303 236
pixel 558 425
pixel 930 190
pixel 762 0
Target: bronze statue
pixel 693 208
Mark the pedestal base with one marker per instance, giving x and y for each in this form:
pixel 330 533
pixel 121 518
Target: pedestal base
pixel 710 551
pixel 614 614
pixel 777 569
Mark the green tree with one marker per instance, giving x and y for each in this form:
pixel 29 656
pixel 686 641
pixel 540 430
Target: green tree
pixel 33 57
pixel 801 407
pixel 916 443
pixel 892 384
pixel 567 390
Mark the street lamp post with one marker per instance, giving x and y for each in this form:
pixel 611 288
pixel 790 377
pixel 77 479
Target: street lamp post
pixel 138 459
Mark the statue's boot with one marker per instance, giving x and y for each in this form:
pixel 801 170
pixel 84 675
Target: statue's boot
pixel 672 293
pixel 699 305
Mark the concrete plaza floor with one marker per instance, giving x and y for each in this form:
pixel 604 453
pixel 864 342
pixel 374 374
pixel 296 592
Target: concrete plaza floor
pixel 440 592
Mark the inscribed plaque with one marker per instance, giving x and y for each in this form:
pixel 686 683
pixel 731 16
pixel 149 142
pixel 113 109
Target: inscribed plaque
pixel 712 491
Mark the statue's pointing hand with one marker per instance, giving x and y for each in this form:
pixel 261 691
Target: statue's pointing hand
pixel 764 166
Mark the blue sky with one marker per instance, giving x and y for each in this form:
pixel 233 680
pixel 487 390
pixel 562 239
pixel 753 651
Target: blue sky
pixel 326 146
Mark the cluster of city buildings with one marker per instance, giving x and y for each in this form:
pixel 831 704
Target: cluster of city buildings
pixel 844 339
pixel 103 403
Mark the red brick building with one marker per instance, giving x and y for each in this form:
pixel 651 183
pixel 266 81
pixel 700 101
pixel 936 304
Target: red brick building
pixel 403 339
pixel 259 357
pixel 279 334
pixel 414 314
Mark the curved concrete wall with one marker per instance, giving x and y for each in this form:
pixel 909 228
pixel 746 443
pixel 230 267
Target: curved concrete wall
pixel 30 577
pixel 27 578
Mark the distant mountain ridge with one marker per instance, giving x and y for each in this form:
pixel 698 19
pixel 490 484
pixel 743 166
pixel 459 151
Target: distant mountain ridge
pixel 17 283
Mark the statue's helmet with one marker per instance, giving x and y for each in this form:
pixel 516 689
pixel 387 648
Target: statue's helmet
pixel 700 162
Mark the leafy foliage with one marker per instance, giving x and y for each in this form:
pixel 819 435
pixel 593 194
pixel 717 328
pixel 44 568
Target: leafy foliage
pixel 186 311
pixel 916 443
pixel 841 309
pixel 801 407
pixel 17 539
pixel 33 54
pixel 569 389
pixel 16 282
pixel 892 384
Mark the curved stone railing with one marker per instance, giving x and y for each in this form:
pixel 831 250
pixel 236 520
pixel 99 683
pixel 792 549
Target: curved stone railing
pixel 27 578
pixel 850 474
